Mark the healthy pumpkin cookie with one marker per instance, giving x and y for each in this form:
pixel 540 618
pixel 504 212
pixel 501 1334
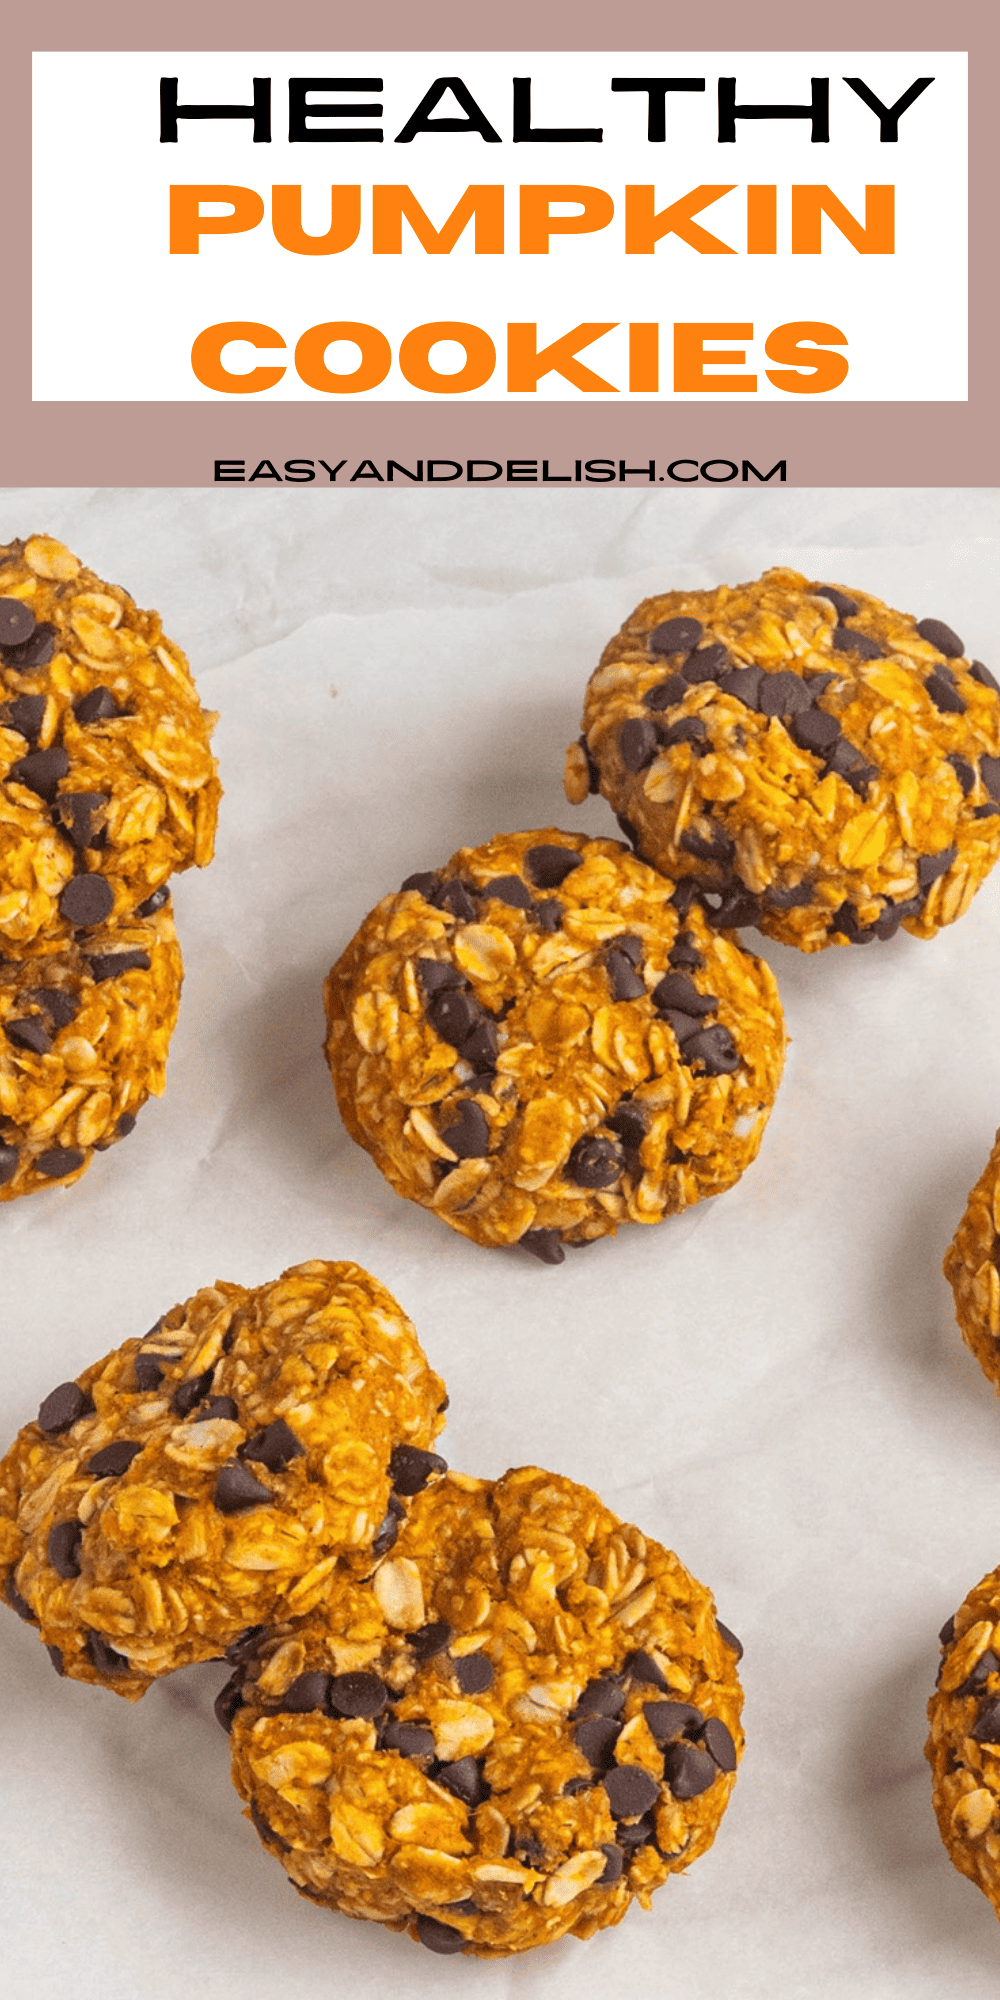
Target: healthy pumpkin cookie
pixel 541 1040
pixel 964 1744
pixel 107 781
pixel 972 1268
pixel 528 1716
pixel 820 765
pixel 84 1035
pixel 214 1475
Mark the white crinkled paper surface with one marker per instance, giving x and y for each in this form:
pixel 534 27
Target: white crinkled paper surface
pixel 772 1384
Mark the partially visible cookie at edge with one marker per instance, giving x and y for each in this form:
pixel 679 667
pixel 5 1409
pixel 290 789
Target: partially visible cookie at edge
pixel 972 1268
pixel 963 1748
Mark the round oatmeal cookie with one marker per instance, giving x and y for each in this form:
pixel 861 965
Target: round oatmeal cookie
pixel 107 781
pixel 215 1474
pixel 84 1034
pixel 542 1040
pixel 822 766
pixel 963 1748
pixel 972 1268
pixel 527 1717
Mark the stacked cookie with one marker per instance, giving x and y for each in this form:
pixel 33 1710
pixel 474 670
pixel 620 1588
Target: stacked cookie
pixel 486 1712
pixel 107 787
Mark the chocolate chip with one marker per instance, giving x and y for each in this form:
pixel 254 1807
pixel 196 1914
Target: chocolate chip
pixel 846 641
pixel 236 1490
pixel 613 1865
pixel 41 770
pixel 947 1632
pixel 103 1655
pixel 964 772
pixel 228 1700
pixel 149 1369
pixel 469 1134
pixel 931 866
pixel 637 742
pixel 626 983
pixel 675 635
pixel 63 1407
pixel 61 1006
pixel 482 1047
pixel 708 664
pixel 684 953
pixel 440 1937
pixel 595 1163
pixel 639 1835
pixel 640 1666
pixel 844 606
pixel 63 1547
pixel 59 1161
pixel 797 896
pixel 87 900
pixel 410 1468
pixel 782 694
pixel 26 715
pixel 628 1122
pixel 465 1904
pixel 987 1664
pixel 188 1395
pixel 986 1728
pixel 631 1791
pixel 430 1640
pixel 675 990
pixel 474 1673
pixel 274 1447
pixel 155 901
pixel 985 811
pixel 604 1695
pixel 111 964
pixel 243 1648
pixel 36 651
pixel 29 1033
pixel 687 1770
pixel 736 907
pixel 508 889
pixel 113 1459
pixel 845 923
pixel 465 1779
pixel 596 1737
pixel 435 975
pixel 719 1743
pixel 667 1720
pixel 423 883
pixel 266 1831
pixel 99 705
pixel 666 694
pixel 530 1851
pixel 712 846
pixel 17 621
pixel 8 1162
pixel 357 1694
pixel 815 730
pixel 549 866
pixel 989 771
pixel 545 1244
pixel 944 695
pixel 849 764
pixel 77 812
pixel 408 1739
pixel 743 683
pixel 714 1051
pixel 941 637
pixel 453 1014
pixel 983 676
pixel 593 774
pixel 385 1535
pixel 631 833
pixel 454 896
pixel 818 683
pixel 20 1604
pixel 217 1407
pixel 549 914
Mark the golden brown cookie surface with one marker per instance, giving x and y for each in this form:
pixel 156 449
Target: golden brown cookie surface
pixel 529 1716
pixel 213 1475
pixel 826 767
pixel 535 1043
pixel 963 1748
pixel 972 1268
pixel 107 781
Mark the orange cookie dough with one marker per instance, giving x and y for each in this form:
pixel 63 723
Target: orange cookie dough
pixel 528 1717
pixel 214 1475
pixel 963 1749
pixel 820 765
pixel 107 781
pixel 84 1035
pixel 541 1041
pixel 972 1268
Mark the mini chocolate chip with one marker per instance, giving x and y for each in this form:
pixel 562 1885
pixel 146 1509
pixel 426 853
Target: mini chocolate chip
pixel 155 901
pixel 410 1468
pixel 469 1134
pixel 385 1535
pixel 630 946
pixel 188 1395
pixel 844 606
pixel 714 1050
pixel 964 772
pixel 275 1446
pixel 941 637
pixel 604 1695
pixel 712 846
pixel 675 635
pixel 508 889
pixel 931 866
pixel 631 1791
pixel 593 774
pixel 595 1737
pixel 482 1047
pixel 719 1743
pixel 818 683
pixel 408 1739
pixel 453 1014
pixel 631 832
pixel 236 1490
pixel 675 990
pixel 595 1162
pixel 87 900
pixel 628 1122
pixel 243 1648
pixel 59 1161
pixel 686 893
pixel 666 694
pixel 429 1640
pixel 887 924
pixel 454 896
pixel 846 641
pixel 20 1604
pixel 531 1851
pixel 783 693
pixel 61 1006
pixel 707 664
pixel 743 683
pixel 26 715
pixel 36 651
pixel 626 983
pixel 217 1407
pixel 983 676
pixel 944 695
pixel 613 1865
pixel 947 1632
pixel 41 770
pixel 440 1937
pixel 17 621
pixel 266 1831
pixel 690 729
pixel 849 764
pixel 797 897
pixel 465 1904
pixel 103 1655
pixel 845 922
pixel 357 1694
pixel 30 1033
pixel 640 1666
pixel 8 1162
pixel 228 1701
pixel 985 811
pixel 63 1407
pixel 113 1459
pixel 687 1770
pixel 474 1673
pixel 545 1244
pixel 63 1547
pixel 986 1728
pixel 77 812
pixel 989 771
pixel 637 742
pixel 99 705
pixel 549 866
pixel 465 1779
pixel 423 883
pixel 639 1835
pixel 436 974
pixel 815 730
pixel 987 1664
pixel 667 1720
pixel 149 1368
pixel 736 907
pixel 111 964
pixel 684 953
pixel 55 1655
pixel 550 914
